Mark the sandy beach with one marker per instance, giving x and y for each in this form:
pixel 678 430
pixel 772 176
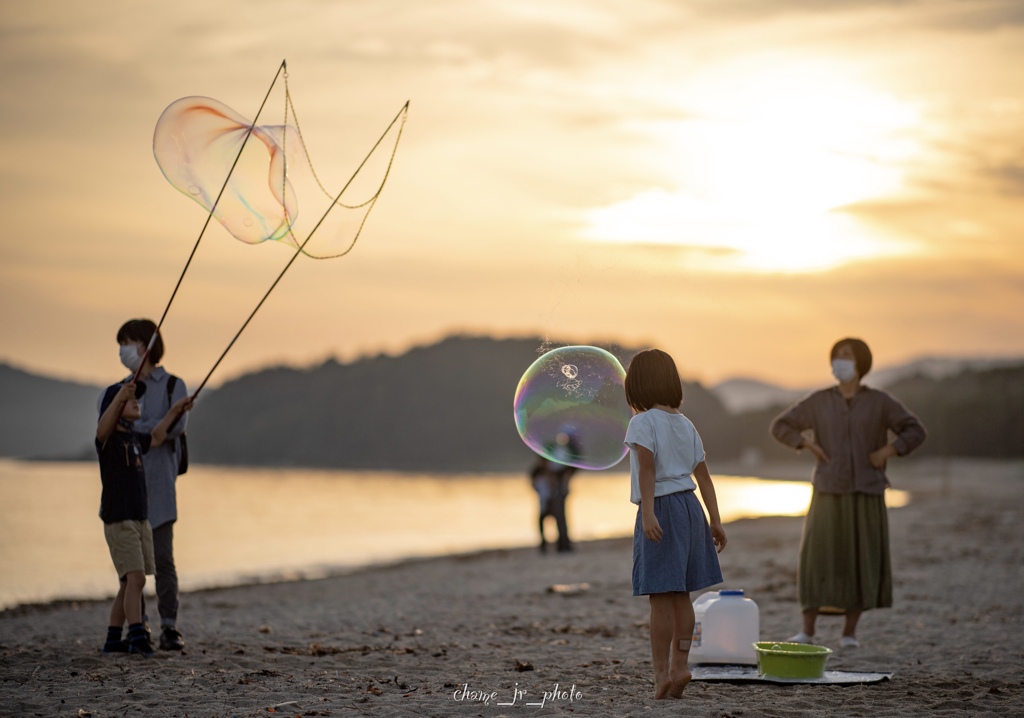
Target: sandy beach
pixel 456 636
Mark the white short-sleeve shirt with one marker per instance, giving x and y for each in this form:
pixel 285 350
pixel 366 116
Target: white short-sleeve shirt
pixel 676 446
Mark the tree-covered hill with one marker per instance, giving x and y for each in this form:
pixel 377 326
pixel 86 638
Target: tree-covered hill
pixel 448 407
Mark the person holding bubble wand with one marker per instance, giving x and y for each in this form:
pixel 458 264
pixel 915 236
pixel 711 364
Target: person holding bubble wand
pixel 141 349
pixel 675 547
pixel 124 507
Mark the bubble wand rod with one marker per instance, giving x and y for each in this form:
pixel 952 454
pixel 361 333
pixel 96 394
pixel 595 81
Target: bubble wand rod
pixel 283 67
pixel 400 116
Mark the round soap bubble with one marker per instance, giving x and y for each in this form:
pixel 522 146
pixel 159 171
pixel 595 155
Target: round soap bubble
pixel 570 407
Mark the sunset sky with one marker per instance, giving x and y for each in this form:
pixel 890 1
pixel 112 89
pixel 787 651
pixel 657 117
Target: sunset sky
pixel 739 182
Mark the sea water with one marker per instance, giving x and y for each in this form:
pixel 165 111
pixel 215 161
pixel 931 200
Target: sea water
pixel 243 525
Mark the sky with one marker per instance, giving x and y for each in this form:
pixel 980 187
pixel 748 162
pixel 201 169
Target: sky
pixel 738 182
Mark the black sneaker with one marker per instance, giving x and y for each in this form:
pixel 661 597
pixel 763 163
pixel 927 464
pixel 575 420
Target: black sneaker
pixel 140 645
pixel 115 647
pixel 171 640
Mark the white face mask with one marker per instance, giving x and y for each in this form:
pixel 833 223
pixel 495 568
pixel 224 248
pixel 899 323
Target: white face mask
pixel 844 369
pixel 130 357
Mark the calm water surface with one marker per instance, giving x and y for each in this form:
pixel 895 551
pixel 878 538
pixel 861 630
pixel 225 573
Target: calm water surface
pixel 246 525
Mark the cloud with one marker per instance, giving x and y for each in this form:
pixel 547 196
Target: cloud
pixel 946 15
pixel 1009 179
pixel 525 115
pixel 985 16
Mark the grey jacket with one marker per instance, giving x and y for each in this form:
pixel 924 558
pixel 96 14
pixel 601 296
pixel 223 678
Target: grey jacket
pixel 848 432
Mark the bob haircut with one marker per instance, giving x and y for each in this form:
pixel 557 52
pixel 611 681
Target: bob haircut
pixel 861 353
pixel 652 379
pixel 141 330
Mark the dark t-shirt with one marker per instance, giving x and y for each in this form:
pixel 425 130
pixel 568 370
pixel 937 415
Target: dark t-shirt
pixel 124 479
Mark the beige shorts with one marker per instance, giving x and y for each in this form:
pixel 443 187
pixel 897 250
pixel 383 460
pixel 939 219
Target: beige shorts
pixel 131 546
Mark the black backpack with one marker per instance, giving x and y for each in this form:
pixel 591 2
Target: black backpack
pixel 172 381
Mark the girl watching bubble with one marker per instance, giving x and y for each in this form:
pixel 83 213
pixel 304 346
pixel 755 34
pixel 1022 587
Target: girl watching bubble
pixel 675 549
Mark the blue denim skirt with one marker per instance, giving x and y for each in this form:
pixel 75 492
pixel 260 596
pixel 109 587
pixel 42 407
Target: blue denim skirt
pixel 685 559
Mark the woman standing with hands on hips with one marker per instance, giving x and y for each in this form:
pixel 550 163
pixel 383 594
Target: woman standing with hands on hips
pixel 844 552
pixel 674 547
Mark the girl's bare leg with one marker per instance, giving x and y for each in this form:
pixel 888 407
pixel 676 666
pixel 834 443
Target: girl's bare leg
pixel 682 619
pixel 662 631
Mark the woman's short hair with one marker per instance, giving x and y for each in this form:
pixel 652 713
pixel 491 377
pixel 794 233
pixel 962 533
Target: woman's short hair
pixel 861 353
pixel 652 378
pixel 141 330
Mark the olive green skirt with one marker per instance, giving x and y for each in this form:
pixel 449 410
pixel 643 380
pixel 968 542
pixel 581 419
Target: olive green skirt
pixel 844 554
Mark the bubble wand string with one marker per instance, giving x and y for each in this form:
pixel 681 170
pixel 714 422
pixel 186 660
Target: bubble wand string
pixel 152 340
pixel 337 200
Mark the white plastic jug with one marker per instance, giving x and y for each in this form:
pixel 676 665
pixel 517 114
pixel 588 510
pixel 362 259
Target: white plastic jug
pixel 726 627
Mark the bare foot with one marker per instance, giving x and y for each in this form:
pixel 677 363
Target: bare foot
pixel 678 684
pixel 661 687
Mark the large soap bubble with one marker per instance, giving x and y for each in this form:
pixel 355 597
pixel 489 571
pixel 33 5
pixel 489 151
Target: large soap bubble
pixel 200 142
pixel 196 142
pixel 570 407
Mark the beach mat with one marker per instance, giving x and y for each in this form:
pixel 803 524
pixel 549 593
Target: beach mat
pixel 750 674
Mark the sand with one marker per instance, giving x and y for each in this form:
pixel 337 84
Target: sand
pixel 455 636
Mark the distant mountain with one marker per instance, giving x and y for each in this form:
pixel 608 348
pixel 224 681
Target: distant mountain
pixel 448 407
pixel 742 394
pixel 745 394
pixel 443 407
pixel 44 416
pixel 938 368
pixel 972 413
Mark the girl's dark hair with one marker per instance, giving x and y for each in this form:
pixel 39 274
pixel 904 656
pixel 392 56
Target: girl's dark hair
pixel 141 330
pixel 861 353
pixel 652 379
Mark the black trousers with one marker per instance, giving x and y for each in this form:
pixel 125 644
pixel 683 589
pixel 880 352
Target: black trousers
pixel 556 507
pixel 166 576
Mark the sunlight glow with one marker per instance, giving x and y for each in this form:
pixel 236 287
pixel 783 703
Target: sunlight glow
pixel 747 496
pixel 761 172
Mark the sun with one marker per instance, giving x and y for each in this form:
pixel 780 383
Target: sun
pixel 758 174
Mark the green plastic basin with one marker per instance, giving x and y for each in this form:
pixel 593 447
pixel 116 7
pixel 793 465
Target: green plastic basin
pixel 790 660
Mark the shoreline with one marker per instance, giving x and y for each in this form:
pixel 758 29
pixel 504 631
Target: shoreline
pixel 404 639
pixel 73 603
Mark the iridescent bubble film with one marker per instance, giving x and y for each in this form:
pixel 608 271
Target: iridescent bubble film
pixel 199 142
pixel 196 142
pixel 570 407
